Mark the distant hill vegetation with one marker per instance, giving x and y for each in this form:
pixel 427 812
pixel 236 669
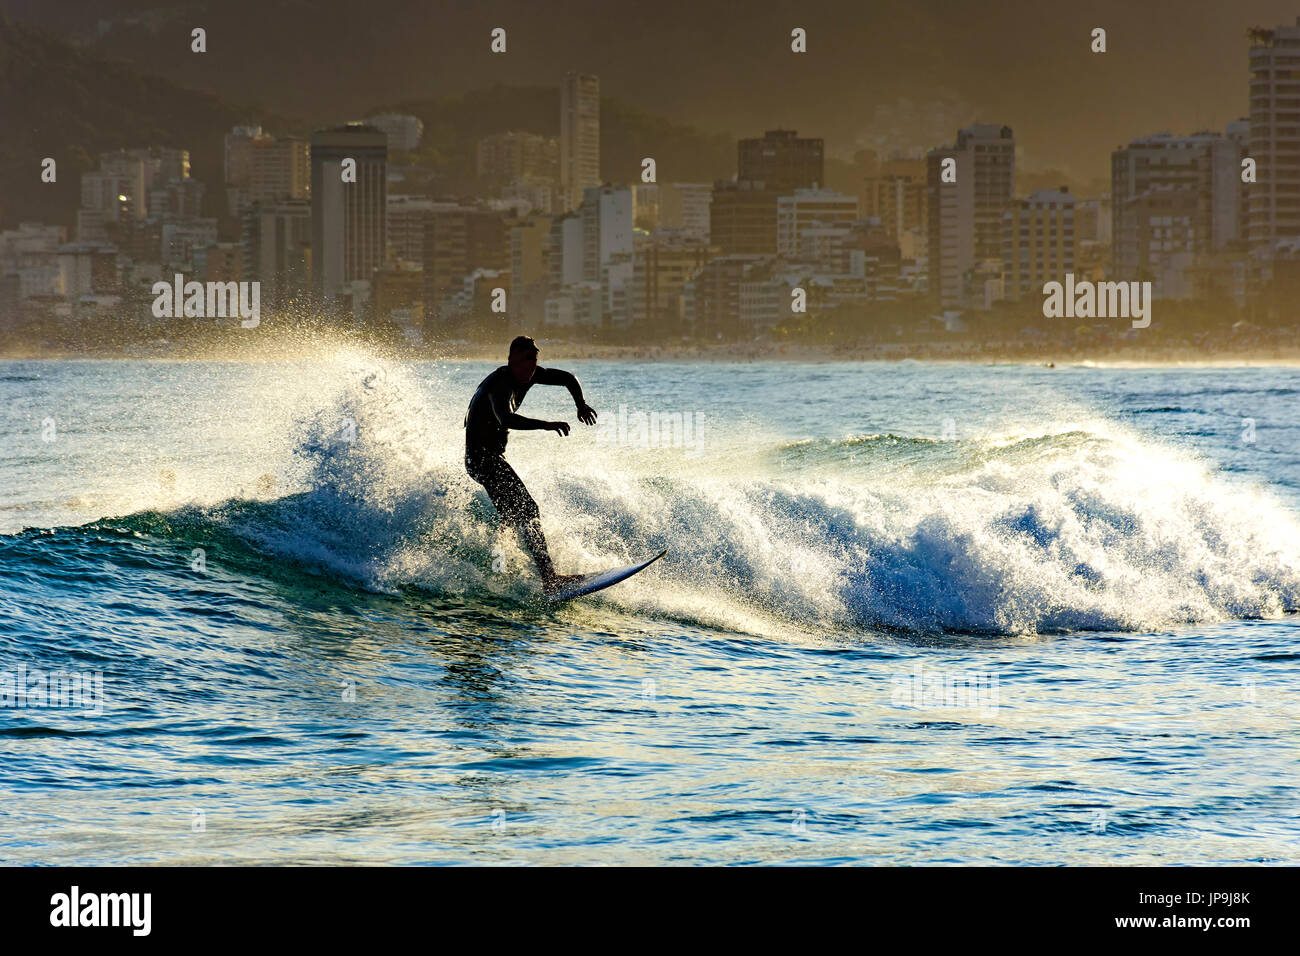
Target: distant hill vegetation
pixel 58 101
pixel 454 125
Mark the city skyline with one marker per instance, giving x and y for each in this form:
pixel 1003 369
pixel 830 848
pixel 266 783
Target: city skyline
pixel 1164 69
pixel 423 231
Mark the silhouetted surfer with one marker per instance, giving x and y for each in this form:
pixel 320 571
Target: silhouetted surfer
pixel 490 416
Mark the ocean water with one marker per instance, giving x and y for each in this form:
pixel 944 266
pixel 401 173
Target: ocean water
pixel 910 613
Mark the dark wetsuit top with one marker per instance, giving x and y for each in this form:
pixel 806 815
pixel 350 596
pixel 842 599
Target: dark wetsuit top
pixel 492 409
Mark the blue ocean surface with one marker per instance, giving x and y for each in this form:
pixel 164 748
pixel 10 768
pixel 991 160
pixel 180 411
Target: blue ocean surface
pixel 910 614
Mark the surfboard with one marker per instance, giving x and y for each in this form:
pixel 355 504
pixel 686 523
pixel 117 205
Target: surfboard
pixel 598 582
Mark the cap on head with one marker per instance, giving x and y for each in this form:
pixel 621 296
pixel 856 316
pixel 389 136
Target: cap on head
pixel 523 345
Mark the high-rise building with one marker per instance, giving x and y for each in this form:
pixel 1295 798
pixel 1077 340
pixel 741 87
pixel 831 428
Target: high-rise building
pixel 1274 199
pixel 169 189
pixel 529 269
pixel 858 247
pixel 181 238
pixel 565 251
pixel 281 169
pixel 896 196
pixel 238 162
pixel 170 164
pixel 134 172
pixel 133 188
pixel 517 157
pixel 92 224
pixel 965 216
pixel 1174 198
pixel 29 238
pixel 1093 220
pixel 263 168
pixel 276 250
pixel 1238 131
pixel 646 198
pixel 162 164
pixel 607 214
pixel 142 241
pixel 407 219
pixel 806 209
pixel 580 305
pixel 763 301
pixel 30 254
pixel 1038 242
pixel 685 206
pixel 177 198
pixel 866 250
pixel 661 268
pixel 87 269
pixel 108 198
pixel 579 136
pixel 782 161
pixel 117 190
pixel 349 218
pixel 713 296
pixel 742 218
pixel 570 301
pixel 406 215
pixel 457 242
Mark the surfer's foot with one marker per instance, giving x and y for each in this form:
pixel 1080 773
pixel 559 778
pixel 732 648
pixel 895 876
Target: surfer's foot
pixel 558 582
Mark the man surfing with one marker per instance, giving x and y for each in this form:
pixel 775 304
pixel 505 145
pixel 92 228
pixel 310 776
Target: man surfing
pixel 488 420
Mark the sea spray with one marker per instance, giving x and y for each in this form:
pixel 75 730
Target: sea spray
pixel 1085 527
pixel 1072 523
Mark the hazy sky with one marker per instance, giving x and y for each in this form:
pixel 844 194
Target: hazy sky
pixel 727 66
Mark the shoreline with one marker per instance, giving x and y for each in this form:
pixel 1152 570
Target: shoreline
pixel 1182 356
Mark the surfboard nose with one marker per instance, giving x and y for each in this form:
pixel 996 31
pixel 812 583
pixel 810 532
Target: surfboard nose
pixel 591 583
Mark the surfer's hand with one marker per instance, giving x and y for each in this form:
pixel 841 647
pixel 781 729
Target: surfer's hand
pixel 586 414
pixel 561 428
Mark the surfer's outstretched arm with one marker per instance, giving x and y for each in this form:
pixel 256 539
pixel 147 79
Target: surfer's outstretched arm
pixel 558 376
pixel 520 423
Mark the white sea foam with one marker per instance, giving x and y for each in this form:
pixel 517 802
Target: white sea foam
pixel 1076 525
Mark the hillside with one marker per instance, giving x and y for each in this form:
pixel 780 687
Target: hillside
pixel 454 125
pixel 60 102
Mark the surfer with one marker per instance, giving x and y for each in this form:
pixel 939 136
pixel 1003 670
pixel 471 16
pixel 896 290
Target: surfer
pixel 490 417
